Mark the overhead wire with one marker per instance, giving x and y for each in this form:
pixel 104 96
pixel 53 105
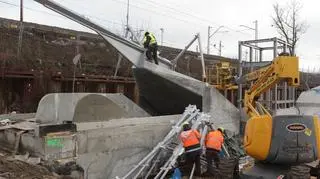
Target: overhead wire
pixel 56 15
pixel 174 10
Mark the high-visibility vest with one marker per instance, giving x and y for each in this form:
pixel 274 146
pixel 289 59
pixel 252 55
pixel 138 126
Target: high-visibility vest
pixel 214 140
pixel 152 40
pixel 190 138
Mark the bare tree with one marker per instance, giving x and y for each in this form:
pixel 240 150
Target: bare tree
pixel 289 26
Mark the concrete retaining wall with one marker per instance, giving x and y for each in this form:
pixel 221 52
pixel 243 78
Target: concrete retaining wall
pixel 113 147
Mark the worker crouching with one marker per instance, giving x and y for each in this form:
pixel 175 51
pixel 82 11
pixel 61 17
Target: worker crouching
pixel 150 43
pixel 214 141
pixel 191 143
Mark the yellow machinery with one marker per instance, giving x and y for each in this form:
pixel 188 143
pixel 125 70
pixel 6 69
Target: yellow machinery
pixel 222 76
pixel 284 139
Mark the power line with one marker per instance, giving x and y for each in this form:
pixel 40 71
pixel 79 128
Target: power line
pixel 44 12
pixel 175 11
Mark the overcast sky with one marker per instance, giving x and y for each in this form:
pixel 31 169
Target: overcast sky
pixel 181 20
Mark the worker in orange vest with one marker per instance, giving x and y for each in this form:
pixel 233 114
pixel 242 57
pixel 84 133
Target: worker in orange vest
pixel 191 143
pixel 214 141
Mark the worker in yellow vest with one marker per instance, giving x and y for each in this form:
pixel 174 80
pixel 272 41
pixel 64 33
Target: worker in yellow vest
pixel 150 43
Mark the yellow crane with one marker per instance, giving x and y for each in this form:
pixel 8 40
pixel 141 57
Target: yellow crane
pixel 286 139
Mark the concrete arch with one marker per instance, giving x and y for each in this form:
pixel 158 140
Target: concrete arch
pixel 56 108
pixel 97 108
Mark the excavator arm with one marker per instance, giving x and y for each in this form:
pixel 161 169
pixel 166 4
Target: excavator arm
pixel 283 68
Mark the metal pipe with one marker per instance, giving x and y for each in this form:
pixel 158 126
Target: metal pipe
pixel 118 65
pixel 240 74
pixel 192 171
pixel 175 60
pixel 189 113
pixel 252 46
pixel 275 47
pixel 250 58
pixel 204 76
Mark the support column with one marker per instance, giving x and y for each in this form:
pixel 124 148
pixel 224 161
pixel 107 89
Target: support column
pixel 2 100
pixel 268 99
pixel 285 95
pixel 55 86
pixel 136 94
pixel 232 97
pixel 80 87
pixel 275 98
pixel 102 88
pixel 120 88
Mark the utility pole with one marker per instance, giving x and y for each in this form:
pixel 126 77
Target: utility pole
pixel 127 25
pixel 21 31
pixel 162 30
pixel 255 36
pixel 220 47
pixel 208 43
pixel 21 10
pixel 210 36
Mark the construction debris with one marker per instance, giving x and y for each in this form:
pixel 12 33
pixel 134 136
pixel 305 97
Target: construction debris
pixel 166 156
pixel 17 169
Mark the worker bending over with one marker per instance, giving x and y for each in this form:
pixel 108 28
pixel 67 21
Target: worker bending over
pixel 191 143
pixel 150 43
pixel 214 141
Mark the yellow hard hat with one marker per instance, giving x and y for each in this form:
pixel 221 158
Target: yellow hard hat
pixel 221 129
pixel 185 123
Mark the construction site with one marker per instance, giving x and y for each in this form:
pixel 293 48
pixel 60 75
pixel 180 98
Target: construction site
pixel 84 105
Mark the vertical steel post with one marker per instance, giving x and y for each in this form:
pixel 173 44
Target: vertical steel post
pixel 220 48
pixel 256 38
pixel 208 43
pixel 250 58
pixel 204 76
pixel 240 74
pixel 118 65
pixel 275 54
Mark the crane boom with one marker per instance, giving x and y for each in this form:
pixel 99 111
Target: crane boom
pixel 282 68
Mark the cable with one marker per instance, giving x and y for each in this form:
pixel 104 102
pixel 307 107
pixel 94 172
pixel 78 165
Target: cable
pixel 163 14
pixel 175 10
pixel 155 4
pixel 60 16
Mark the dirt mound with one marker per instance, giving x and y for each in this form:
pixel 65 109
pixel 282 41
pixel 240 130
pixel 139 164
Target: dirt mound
pixel 15 169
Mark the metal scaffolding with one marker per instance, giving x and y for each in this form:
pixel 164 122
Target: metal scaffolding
pixel 281 96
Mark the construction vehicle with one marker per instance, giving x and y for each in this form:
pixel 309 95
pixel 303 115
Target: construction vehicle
pixel 285 140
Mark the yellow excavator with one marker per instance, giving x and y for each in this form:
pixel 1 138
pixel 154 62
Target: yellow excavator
pixel 285 140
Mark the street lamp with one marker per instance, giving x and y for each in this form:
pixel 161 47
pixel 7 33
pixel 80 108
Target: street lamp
pixel 255 29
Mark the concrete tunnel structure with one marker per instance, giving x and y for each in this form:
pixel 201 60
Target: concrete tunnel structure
pixel 113 133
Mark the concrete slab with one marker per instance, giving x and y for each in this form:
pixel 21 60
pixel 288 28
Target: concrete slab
pixel 114 149
pixel 223 113
pixel 163 92
pixel 56 108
